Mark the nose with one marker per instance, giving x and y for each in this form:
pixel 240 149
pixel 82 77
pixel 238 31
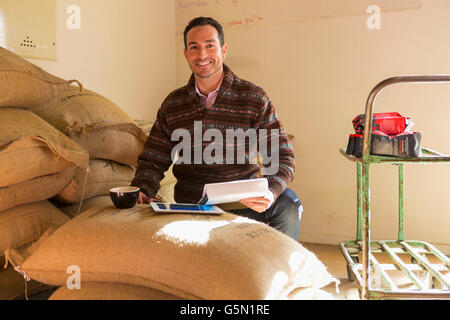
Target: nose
pixel 202 53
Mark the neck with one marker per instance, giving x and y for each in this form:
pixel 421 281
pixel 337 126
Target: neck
pixel 208 85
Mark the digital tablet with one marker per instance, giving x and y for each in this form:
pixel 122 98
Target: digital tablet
pixel 185 208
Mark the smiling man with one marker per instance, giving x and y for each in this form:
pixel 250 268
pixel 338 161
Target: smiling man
pixel 216 99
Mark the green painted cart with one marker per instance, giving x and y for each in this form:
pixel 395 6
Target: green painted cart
pixel 424 267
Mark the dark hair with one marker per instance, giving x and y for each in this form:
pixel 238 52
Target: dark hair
pixel 204 21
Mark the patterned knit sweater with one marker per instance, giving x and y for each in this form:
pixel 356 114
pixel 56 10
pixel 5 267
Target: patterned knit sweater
pixel 239 105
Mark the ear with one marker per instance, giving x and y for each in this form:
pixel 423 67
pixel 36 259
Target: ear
pixel 224 50
pixel 185 53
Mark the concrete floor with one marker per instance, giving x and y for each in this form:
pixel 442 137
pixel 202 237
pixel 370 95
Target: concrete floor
pixel 332 258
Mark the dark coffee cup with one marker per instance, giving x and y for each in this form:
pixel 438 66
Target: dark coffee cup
pixel 124 197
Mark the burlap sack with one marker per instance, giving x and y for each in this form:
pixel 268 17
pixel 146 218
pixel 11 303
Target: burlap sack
pixel 97 124
pixel 24 224
pixel 145 125
pixel 14 287
pixel 23 84
pixel 19 227
pixel 34 190
pixel 110 291
pixel 74 210
pixel 188 256
pixel 16 165
pixel 101 177
pixel 165 193
pixel 30 148
pixel 36 160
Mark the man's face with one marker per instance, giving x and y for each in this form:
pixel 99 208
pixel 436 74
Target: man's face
pixel 204 53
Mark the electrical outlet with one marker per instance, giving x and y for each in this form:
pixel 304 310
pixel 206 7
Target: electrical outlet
pixel 28 28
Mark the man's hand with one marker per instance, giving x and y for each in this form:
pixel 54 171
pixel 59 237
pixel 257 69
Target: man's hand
pixel 259 204
pixel 143 199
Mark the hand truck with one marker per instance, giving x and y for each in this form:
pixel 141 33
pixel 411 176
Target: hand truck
pixel 407 257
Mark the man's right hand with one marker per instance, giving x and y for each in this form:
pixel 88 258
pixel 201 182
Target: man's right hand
pixel 143 199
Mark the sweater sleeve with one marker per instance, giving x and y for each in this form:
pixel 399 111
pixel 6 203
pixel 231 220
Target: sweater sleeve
pixel 155 158
pixel 275 149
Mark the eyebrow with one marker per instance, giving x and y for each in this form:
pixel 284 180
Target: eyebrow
pixel 194 42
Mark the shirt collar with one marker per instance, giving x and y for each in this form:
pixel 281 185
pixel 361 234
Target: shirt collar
pixel 197 90
pixel 227 81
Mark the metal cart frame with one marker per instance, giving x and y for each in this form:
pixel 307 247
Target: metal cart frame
pixel 416 251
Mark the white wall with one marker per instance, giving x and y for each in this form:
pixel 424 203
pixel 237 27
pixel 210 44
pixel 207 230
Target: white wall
pixel 319 74
pixel 125 50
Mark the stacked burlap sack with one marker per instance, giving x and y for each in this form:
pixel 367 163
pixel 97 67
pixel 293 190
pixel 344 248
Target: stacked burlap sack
pixel 90 190
pixel 58 142
pixel 110 136
pixel 36 162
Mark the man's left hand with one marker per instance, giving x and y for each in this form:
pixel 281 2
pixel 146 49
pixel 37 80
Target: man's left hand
pixel 259 204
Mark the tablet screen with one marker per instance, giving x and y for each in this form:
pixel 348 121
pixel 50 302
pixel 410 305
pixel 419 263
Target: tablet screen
pixel 186 207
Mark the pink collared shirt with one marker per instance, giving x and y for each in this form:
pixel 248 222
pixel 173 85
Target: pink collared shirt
pixel 211 98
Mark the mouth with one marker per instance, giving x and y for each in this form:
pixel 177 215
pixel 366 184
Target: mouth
pixel 203 64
